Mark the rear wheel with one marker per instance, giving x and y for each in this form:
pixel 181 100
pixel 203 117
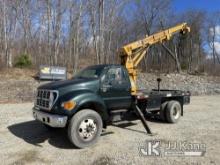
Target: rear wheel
pixel 173 111
pixel 85 128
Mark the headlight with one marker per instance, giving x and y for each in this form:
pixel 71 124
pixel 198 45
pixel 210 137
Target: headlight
pixel 69 105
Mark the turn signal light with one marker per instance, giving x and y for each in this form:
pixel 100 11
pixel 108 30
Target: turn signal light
pixel 69 105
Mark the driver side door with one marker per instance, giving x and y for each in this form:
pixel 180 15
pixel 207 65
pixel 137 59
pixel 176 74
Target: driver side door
pixel 115 89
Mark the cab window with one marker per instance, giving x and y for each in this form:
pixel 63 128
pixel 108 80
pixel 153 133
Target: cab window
pixel 115 75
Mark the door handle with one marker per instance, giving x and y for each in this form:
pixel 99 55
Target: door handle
pixel 105 88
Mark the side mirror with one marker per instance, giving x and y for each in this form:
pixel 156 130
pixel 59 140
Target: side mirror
pixel 105 83
pixel 111 77
pixel 105 80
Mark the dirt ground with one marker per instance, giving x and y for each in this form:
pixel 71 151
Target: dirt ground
pixel 25 141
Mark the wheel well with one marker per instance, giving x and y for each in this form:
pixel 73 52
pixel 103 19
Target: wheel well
pixel 98 108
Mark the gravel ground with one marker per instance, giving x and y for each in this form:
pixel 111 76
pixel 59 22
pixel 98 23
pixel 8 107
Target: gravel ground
pixel 25 141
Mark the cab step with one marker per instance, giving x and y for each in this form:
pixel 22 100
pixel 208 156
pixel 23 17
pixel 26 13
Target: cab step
pixel 116 115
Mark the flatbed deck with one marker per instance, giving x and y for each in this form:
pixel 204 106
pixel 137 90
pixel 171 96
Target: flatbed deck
pixel 152 100
pixel 163 92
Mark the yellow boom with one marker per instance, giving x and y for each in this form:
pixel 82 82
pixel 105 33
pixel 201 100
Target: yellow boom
pixel 132 54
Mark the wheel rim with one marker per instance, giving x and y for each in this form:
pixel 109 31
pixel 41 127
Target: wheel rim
pixel 87 129
pixel 176 112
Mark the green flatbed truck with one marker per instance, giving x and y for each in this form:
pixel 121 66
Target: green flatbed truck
pixel 88 103
pixel 98 94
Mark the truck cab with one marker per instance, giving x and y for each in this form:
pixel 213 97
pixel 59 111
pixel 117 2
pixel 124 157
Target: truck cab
pixel 107 84
pixel 100 89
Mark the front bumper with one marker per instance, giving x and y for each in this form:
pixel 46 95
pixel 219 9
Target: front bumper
pixel 52 120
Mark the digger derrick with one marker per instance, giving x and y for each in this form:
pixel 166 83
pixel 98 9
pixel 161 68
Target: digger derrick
pixel 132 53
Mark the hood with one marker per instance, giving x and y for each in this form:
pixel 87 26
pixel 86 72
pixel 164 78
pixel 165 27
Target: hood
pixel 70 84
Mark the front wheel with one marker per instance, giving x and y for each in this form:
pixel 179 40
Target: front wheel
pixel 85 128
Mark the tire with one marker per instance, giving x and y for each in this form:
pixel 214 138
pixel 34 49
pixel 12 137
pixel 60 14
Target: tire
pixel 173 111
pixel 163 111
pixel 82 122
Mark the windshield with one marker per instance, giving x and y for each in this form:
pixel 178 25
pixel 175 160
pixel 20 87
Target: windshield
pixel 90 72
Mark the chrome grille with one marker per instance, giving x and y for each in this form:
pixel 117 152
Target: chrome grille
pixel 45 99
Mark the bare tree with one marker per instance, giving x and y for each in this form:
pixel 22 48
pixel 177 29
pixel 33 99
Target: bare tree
pixel 95 38
pixel 10 23
pixel 49 51
pixel 213 33
pixel 57 31
pixel 6 46
pixel 77 35
pixel 76 32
